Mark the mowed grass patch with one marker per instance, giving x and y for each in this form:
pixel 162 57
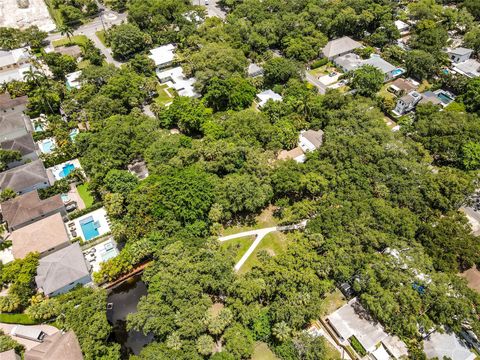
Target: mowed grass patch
pixel 163 97
pixel 263 220
pixel 333 301
pixel 101 36
pixel 85 195
pixel 273 244
pixel 263 352
pixel 239 246
pixel 74 40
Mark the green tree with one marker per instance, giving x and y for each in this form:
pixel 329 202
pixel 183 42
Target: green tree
pixel 67 31
pixel 126 40
pixel 471 155
pixel 234 93
pixel 421 64
pixel 8 156
pixel 471 98
pixel 7 194
pixel 238 341
pixel 205 345
pixel 279 70
pixel 281 331
pixel 367 80
pixel 120 181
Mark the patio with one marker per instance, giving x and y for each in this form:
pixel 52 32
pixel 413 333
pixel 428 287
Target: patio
pixel 60 171
pixel 100 253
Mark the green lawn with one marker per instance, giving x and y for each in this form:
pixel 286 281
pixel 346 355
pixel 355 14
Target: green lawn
pixel 85 195
pixel 322 70
pixel 385 93
pixel 238 246
pixel 163 98
pixel 262 352
pixel 333 301
pixel 263 220
pixel 101 36
pixel 22 319
pixel 54 13
pixel 274 244
pixel 77 40
pixel 83 64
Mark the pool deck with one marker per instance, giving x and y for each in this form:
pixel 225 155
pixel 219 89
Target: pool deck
pixel 54 172
pixel 99 215
pixel 95 259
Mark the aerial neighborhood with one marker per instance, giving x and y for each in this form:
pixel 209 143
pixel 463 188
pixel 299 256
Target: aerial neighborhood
pixel 239 179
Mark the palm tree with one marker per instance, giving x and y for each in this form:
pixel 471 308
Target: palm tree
pixel 33 75
pixel 67 31
pixel 281 331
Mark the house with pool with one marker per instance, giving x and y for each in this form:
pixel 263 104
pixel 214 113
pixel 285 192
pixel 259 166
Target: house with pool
pixel 46 146
pixel 100 253
pixel 61 171
pixel 90 226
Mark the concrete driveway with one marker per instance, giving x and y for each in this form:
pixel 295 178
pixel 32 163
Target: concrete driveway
pixel 47 329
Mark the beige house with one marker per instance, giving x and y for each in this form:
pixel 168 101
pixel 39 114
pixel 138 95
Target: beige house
pixel 43 236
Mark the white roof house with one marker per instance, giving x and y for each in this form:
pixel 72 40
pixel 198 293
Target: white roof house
pixel 469 68
pixel 175 79
pixel 73 80
pixel 13 64
pixel 403 27
pixel 163 55
pixel 339 47
pixel 266 95
pixel 439 346
pixel 310 140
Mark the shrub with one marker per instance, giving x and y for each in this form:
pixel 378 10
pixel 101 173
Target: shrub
pixel 318 63
pixel 357 346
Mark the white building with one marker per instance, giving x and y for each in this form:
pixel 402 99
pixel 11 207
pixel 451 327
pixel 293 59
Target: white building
pixel 163 56
pixel 446 345
pixel 73 80
pixel 460 54
pixel 13 64
pixel 469 68
pixel 308 140
pixel 407 103
pixel 267 95
pixel 175 79
pixel 402 27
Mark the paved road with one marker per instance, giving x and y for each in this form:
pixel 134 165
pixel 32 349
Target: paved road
pixel 213 9
pixel 109 19
pixel 260 234
pixel 322 89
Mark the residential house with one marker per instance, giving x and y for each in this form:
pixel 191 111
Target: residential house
pixel 61 271
pixel 402 27
pixel 429 97
pixel 460 54
pixel 389 71
pixel 352 320
pixel 59 346
pixel 267 95
pixel 308 140
pixel 254 70
pixel 13 122
pixel 25 146
pixel 13 64
pixel 139 169
pixel 348 62
pixel 163 56
pixel 25 178
pixel 44 236
pixel 175 79
pixel 447 345
pixel 29 208
pixel 9 355
pixel 73 80
pixel 74 51
pixel 469 68
pixel 407 103
pixel 339 47
pixel 404 86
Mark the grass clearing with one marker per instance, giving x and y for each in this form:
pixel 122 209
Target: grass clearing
pixel 163 97
pixel 274 243
pixel 74 40
pixel 85 195
pixel 263 352
pixel 331 353
pixel 385 93
pixel 322 70
pixel 101 36
pixel 238 246
pixel 263 220
pixel 54 13
pixel 22 319
pixel 333 301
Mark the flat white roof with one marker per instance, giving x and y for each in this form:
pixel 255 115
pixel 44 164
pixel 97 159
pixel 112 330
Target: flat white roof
pixel 72 79
pixel 175 79
pixel 162 55
pixel 266 95
pixel 446 345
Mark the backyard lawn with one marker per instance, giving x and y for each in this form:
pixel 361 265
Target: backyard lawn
pixel 77 40
pixel 163 97
pixel 263 220
pixel 238 246
pixel 333 301
pixel 85 195
pixel 262 352
pixel 322 70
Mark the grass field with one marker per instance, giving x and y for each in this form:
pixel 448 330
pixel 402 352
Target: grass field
pixel 101 36
pixel 263 220
pixel 22 319
pixel 262 352
pixel 238 246
pixel 333 301
pixel 163 98
pixel 85 195
pixel 77 40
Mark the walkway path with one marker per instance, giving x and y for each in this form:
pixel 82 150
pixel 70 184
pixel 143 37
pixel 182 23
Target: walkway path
pixel 260 234
pixel 322 88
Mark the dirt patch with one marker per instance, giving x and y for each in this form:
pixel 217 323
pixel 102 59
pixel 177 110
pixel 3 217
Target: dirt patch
pixel 270 252
pixel 473 278
pixel 216 308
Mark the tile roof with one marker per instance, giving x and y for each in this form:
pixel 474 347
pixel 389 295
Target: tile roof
pixel 24 144
pixel 39 236
pixel 6 102
pixel 27 207
pixel 59 346
pixel 340 46
pixel 24 176
pixel 315 137
pixel 61 268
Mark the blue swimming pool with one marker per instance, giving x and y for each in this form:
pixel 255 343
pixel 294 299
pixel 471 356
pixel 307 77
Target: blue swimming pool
pixel 66 170
pixel 397 72
pixel 444 98
pixel 48 145
pixel 89 228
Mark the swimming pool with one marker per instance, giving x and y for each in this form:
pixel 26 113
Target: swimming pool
pixel 73 134
pixel 65 197
pixel 89 228
pixel 66 170
pixel 397 72
pixel 109 254
pixel 47 146
pixel 444 98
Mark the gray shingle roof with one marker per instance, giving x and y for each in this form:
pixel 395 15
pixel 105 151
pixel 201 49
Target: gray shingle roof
pixel 61 268
pixel 24 144
pixel 315 137
pixel 27 207
pixel 446 345
pixel 59 346
pixel 24 176
pixel 380 64
pixel 6 102
pixel 340 46
pixel 461 51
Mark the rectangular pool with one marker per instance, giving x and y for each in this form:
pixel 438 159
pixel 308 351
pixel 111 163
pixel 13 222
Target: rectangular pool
pixel 444 98
pixel 66 170
pixel 89 228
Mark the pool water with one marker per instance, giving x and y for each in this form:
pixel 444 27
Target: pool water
pixel 89 228
pixel 109 254
pixel 444 98
pixel 73 134
pixel 397 72
pixel 48 146
pixel 66 170
pixel 64 197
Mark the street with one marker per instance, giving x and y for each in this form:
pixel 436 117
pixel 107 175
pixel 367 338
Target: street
pixel 213 9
